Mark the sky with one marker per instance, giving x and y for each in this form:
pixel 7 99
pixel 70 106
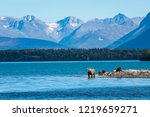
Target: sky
pixel 54 10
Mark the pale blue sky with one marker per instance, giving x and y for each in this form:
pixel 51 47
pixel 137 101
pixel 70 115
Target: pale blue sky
pixel 53 10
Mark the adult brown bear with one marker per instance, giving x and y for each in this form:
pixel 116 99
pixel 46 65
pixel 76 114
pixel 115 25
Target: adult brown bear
pixel 91 73
pixel 119 69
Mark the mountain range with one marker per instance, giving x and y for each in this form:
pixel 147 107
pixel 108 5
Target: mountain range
pixel 99 33
pixel 32 27
pixel 69 32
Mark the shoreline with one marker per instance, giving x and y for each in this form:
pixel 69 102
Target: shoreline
pixel 125 74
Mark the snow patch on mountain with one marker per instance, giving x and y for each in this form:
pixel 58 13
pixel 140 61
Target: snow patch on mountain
pixel 52 26
pixel 2 18
pixel 100 39
pixel 5 26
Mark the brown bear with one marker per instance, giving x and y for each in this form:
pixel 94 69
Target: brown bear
pixel 91 72
pixel 101 72
pixel 119 69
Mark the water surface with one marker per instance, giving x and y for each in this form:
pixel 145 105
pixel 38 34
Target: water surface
pixel 62 80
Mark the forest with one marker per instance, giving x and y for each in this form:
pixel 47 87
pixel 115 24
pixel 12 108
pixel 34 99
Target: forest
pixel 146 56
pixel 71 55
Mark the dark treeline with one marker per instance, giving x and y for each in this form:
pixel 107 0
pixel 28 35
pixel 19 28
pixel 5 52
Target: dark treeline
pixel 146 56
pixel 69 55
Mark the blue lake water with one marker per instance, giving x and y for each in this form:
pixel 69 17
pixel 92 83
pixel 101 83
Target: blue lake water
pixel 63 81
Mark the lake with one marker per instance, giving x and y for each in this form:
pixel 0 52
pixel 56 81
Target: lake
pixel 63 81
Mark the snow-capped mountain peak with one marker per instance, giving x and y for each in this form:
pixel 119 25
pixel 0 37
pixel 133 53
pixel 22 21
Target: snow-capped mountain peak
pixel 120 19
pixel 120 16
pixel 72 21
pixel 28 18
pixel 63 27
